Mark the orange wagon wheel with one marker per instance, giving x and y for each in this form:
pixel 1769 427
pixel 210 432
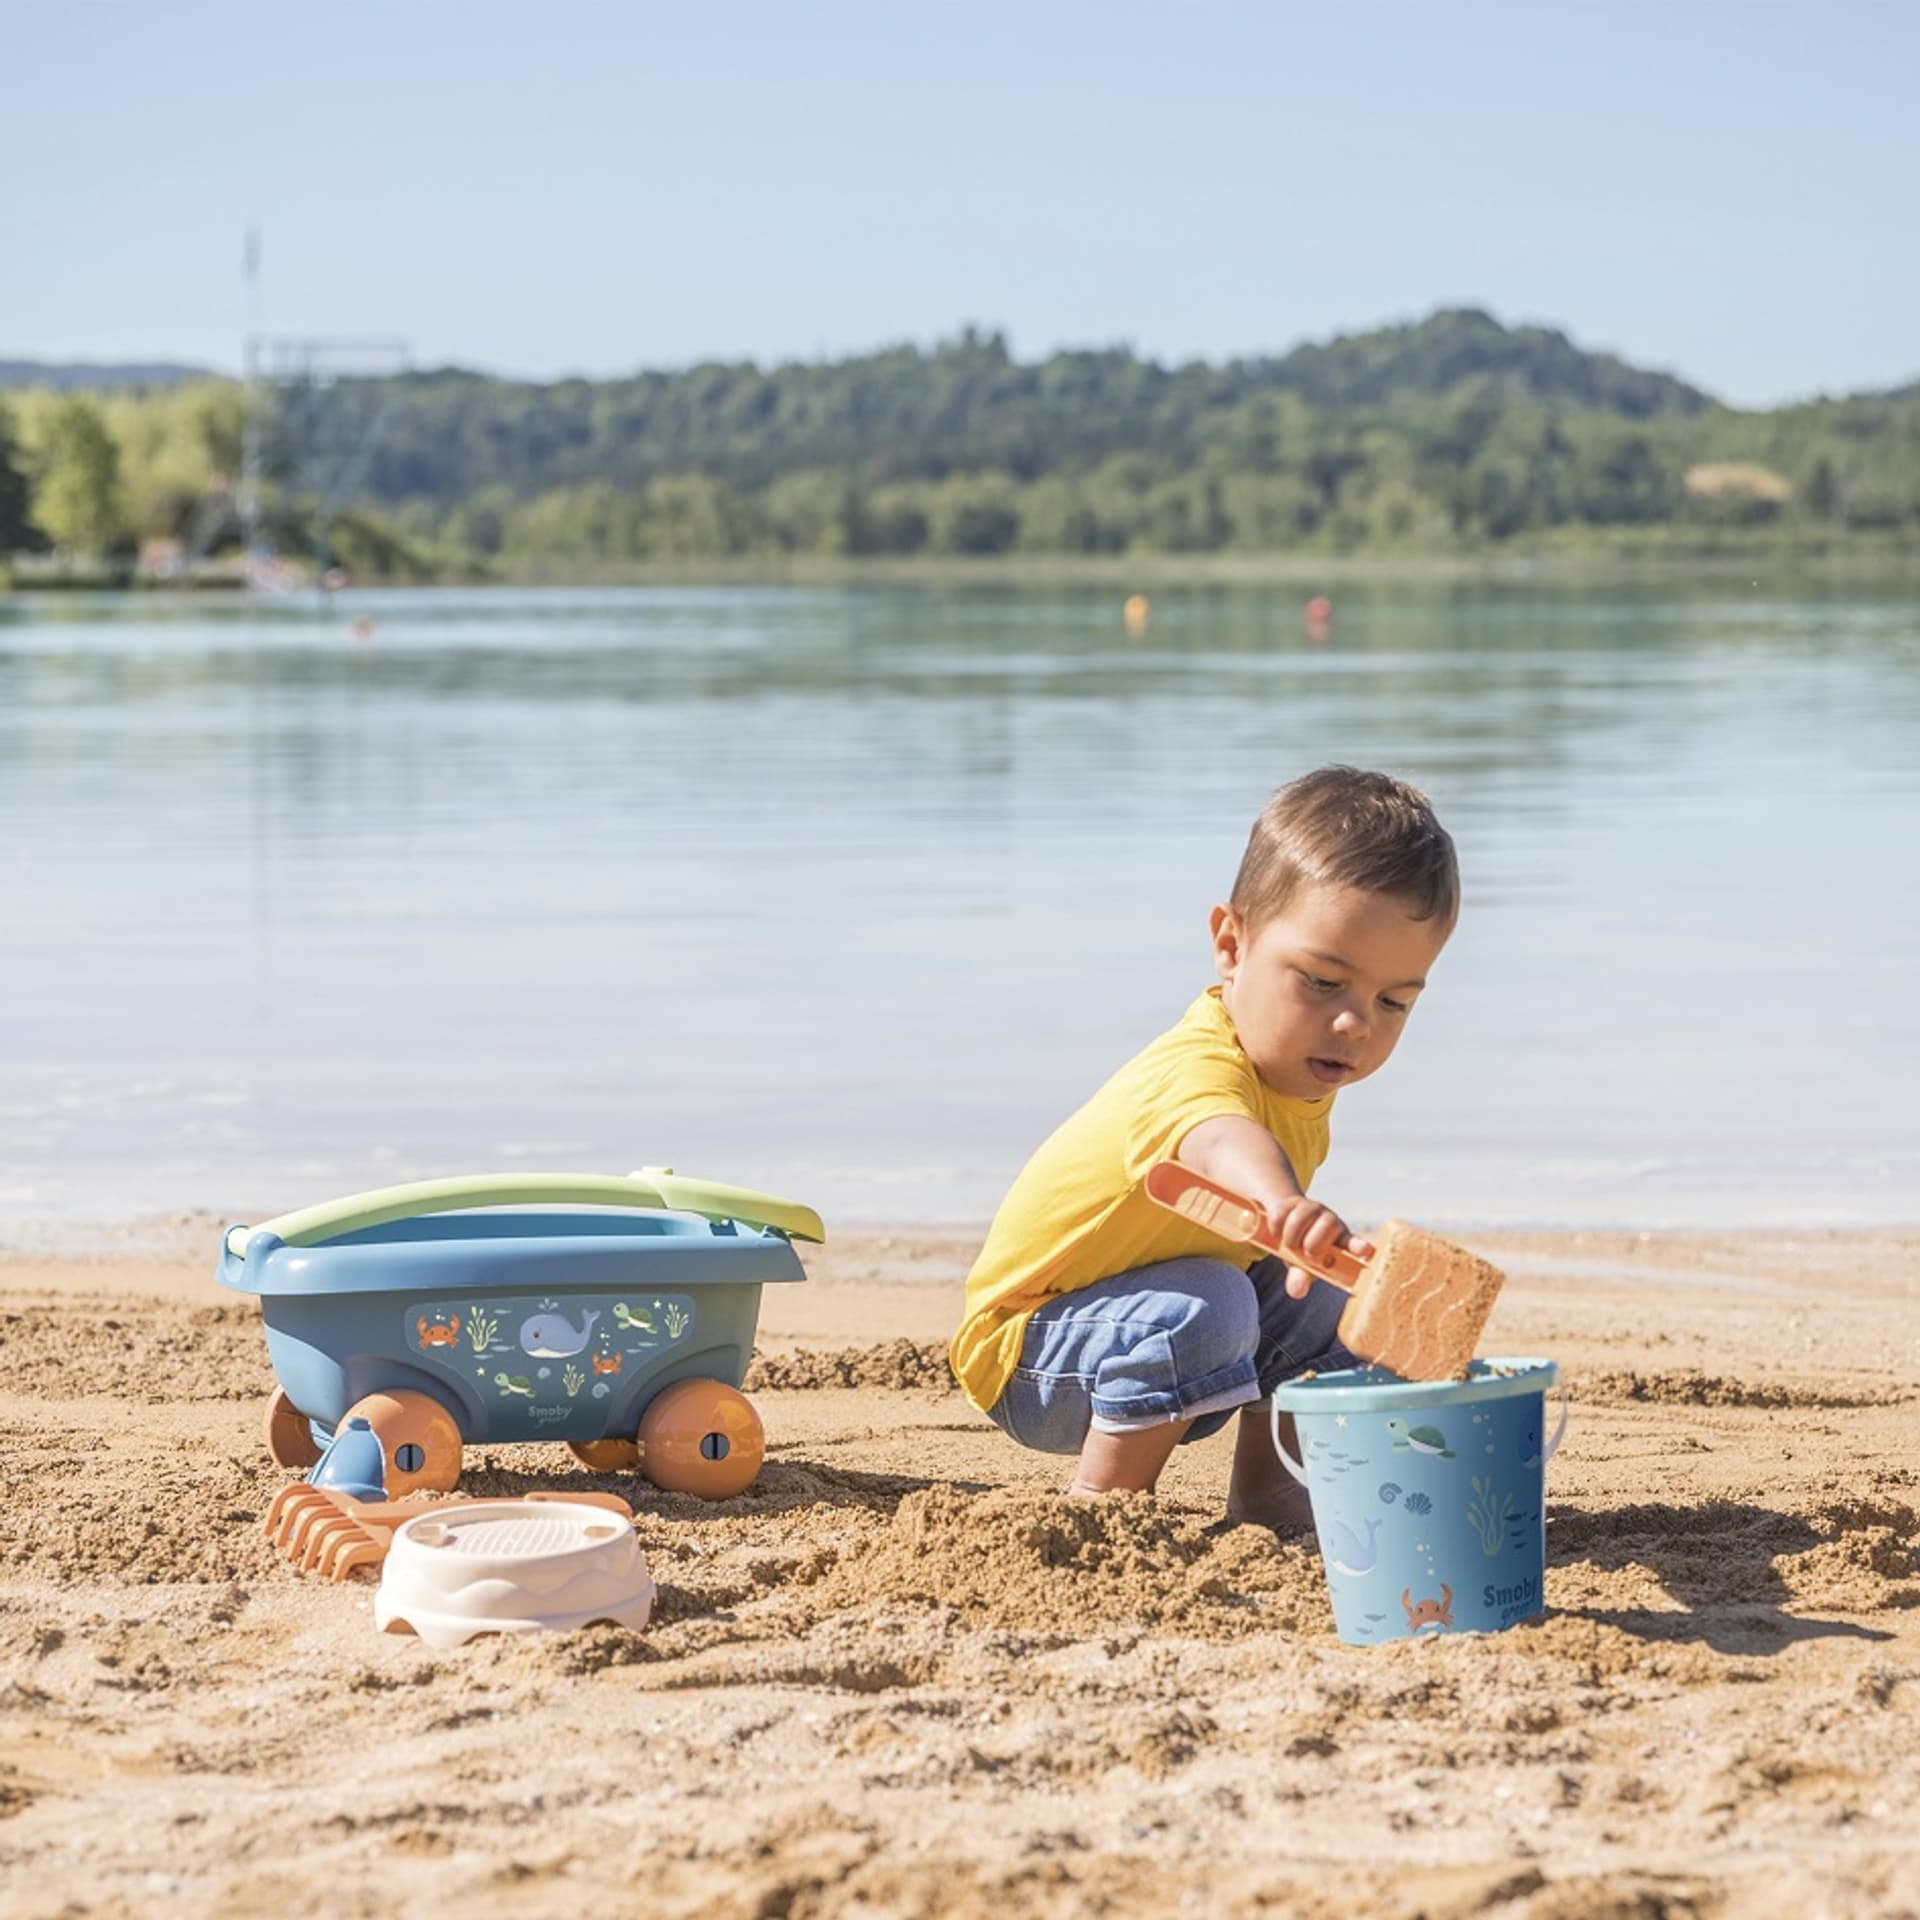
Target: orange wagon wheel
pixel 606 1456
pixel 289 1433
pixel 701 1437
pixel 419 1440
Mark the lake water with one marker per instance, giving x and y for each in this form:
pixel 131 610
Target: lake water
pixel 852 894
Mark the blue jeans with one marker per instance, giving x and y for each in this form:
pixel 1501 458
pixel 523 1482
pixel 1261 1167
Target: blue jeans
pixel 1182 1340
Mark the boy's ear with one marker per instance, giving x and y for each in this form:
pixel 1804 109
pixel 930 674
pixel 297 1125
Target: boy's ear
pixel 1229 940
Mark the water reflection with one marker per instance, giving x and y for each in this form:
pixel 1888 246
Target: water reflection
pixel 859 889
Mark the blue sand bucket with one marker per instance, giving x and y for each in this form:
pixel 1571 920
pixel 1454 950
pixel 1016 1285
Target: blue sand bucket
pixel 1428 1496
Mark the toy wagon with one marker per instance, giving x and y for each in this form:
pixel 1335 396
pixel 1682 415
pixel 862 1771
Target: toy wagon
pixel 616 1315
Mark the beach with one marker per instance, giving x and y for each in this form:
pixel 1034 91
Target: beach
pixel 903 1675
pixel 831 606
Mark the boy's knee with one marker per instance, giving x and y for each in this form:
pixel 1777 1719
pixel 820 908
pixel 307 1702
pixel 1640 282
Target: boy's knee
pixel 1298 1334
pixel 1142 1349
pixel 1220 1323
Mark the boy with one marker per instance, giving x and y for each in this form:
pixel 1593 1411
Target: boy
pixel 1101 1325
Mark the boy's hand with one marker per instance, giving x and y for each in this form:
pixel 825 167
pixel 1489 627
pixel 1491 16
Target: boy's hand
pixel 1242 1156
pixel 1306 1227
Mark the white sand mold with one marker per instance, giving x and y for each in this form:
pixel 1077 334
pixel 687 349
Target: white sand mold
pixel 512 1566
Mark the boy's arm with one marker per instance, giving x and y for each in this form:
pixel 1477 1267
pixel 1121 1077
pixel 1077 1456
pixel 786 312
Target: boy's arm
pixel 1243 1156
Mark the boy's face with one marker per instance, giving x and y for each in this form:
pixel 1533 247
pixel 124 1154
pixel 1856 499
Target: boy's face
pixel 1320 992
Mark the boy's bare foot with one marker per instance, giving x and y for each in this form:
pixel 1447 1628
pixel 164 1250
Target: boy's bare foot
pixel 1288 1512
pixel 1262 1492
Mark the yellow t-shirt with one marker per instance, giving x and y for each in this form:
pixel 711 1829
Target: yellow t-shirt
pixel 1077 1213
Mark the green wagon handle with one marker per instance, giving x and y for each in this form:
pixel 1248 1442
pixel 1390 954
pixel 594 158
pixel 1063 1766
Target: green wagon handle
pixel 653 1187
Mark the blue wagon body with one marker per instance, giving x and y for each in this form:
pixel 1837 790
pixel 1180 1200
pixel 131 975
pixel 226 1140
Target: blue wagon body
pixel 525 1323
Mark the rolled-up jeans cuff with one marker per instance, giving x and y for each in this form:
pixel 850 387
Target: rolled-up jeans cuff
pixel 1231 1387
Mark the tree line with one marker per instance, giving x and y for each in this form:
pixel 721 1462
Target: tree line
pixel 1452 434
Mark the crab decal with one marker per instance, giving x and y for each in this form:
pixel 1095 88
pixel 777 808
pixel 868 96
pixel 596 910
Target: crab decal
pixel 1428 1616
pixel 607 1362
pixel 437 1333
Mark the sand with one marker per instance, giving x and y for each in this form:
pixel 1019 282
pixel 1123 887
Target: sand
pixel 904 1676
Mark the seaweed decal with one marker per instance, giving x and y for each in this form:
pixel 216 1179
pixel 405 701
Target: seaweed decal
pixel 1486 1518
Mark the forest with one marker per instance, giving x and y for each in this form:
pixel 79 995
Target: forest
pixel 1455 434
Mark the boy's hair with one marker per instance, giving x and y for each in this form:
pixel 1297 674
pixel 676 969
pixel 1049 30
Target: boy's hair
pixel 1340 826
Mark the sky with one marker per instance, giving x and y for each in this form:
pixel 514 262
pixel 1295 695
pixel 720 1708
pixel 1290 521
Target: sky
pixel 1724 191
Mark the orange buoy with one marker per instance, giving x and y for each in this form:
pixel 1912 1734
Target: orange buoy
pixel 1138 613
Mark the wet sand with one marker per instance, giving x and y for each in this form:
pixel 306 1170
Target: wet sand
pixel 902 1676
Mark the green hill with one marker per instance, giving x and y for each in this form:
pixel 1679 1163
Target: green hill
pixel 966 406
pixel 1457 346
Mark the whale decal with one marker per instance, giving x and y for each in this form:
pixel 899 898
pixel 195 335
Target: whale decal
pixel 1346 1551
pixel 552 1336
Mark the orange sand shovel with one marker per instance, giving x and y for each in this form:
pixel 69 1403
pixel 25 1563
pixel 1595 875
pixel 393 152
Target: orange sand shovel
pixel 1419 1303
pixel 332 1534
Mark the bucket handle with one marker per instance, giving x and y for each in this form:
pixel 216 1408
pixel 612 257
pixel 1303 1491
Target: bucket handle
pixel 1299 1472
pixel 1287 1460
pixel 1560 1431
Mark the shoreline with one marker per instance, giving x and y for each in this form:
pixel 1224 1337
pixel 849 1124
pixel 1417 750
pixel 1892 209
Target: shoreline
pixel 1773 569
pixel 186 1231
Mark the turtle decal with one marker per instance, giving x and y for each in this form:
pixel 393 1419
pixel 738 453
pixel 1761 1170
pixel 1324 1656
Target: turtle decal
pixel 1420 1439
